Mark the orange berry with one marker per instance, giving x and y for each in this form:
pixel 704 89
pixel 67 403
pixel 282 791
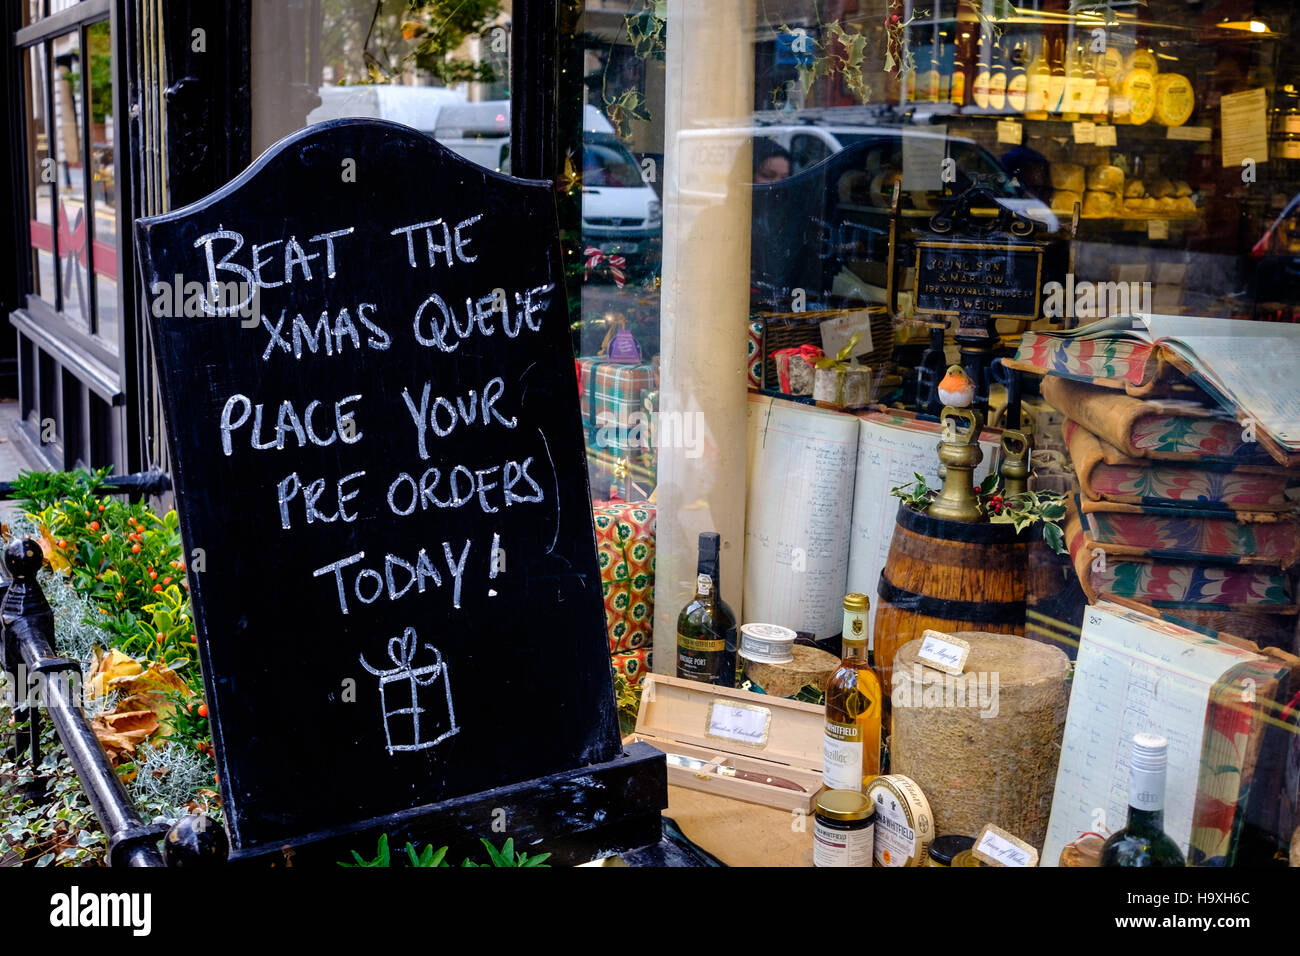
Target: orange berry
pixel 119 595
pixel 94 526
pixel 135 549
pixel 159 638
pixel 157 587
pixel 101 507
pixel 203 710
pixel 63 542
pixel 167 580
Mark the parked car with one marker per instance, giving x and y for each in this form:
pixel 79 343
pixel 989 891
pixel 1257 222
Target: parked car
pixel 621 214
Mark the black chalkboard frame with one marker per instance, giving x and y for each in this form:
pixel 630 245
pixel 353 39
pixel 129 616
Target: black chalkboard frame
pixel 596 744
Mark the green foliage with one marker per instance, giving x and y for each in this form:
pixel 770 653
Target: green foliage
pixel 1021 510
pixel 915 494
pixel 424 34
pixel 628 698
pixel 58 830
pixel 1028 507
pixel 506 856
pixel 122 557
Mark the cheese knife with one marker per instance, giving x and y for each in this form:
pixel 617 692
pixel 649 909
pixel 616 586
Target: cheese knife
pixel 704 768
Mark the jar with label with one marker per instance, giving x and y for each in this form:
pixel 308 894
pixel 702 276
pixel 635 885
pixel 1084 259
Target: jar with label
pixel 946 847
pixel 844 829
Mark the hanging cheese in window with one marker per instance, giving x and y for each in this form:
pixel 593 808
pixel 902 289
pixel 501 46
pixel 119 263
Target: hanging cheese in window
pixel 1139 88
pixel 1174 99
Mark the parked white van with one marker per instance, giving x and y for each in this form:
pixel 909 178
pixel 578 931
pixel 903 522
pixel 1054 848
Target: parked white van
pixel 621 214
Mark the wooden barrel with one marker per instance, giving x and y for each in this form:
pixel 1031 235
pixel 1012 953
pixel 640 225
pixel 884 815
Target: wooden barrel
pixel 950 576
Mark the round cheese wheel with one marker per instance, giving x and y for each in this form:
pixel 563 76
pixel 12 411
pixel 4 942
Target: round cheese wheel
pixel 1139 88
pixel 1112 63
pixel 904 823
pixel 1142 59
pixel 1174 99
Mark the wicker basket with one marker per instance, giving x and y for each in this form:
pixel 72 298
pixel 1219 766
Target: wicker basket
pixel 784 330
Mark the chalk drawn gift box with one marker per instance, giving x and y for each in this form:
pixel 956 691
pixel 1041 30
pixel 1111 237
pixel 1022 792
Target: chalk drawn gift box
pixel 415 701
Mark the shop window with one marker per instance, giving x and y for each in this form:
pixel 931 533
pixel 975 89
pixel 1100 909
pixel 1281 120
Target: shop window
pixel 806 157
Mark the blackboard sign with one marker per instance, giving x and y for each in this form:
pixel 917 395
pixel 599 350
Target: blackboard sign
pixel 376 448
pixel 978 279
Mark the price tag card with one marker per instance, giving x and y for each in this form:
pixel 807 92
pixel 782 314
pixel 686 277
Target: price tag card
pixel 742 723
pixel 1104 135
pixel 943 652
pixel 997 847
pixel 1157 228
pixel 1009 131
pixel 1190 134
pixel 1085 132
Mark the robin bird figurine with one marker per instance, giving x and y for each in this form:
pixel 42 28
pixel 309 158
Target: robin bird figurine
pixel 956 389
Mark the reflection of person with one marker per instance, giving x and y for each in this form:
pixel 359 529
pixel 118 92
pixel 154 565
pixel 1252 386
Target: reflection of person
pixel 771 162
pixel 1030 169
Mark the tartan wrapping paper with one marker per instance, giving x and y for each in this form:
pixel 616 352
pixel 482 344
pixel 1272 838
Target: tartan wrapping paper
pixel 625 548
pixel 610 394
pixel 754 354
pixel 633 665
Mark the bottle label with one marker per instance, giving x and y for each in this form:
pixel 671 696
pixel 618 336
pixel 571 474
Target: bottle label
pixel 703 584
pixel 1146 789
pixel 699 658
pixel 842 757
pixel 1056 94
pixel 1017 88
pixel 897 839
pixel 1291 123
pixel 843 847
pixel 856 629
pixel 957 91
pixel 980 91
pixel 1100 99
pixel 998 91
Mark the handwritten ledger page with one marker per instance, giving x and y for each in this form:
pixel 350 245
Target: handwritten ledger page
pixel 1133 674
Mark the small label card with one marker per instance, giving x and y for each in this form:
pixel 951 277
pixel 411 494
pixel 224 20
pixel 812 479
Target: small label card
pixel 997 847
pixel 1191 134
pixel 1104 135
pixel 1157 228
pixel 943 652
pixel 1009 131
pixel 743 723
pixel 1085 132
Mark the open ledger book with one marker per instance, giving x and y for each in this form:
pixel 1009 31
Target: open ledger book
pixel 1138 674
pixel 819 516
pixel 1248 367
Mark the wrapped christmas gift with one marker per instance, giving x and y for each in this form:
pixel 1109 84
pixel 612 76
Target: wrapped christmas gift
pixel 625 548
pixel 795 368
pixel 754 354
pixel 633 665
pixel 839 381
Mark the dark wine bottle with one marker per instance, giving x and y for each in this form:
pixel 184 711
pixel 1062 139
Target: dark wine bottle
pixel 1143 842
pixel 706 626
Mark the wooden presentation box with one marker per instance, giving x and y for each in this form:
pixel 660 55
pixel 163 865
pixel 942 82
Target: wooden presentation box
pixel 735 729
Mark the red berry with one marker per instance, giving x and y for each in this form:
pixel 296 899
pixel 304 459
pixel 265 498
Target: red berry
pixel 167 580
pixel 159 638
pixel 94 526
pixel 157 587
pixel 203 710
pixel 135 549
pixel 101 507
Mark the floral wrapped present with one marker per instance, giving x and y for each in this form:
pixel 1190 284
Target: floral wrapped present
pixel 626 552
pixel 795 368
pixel 633 665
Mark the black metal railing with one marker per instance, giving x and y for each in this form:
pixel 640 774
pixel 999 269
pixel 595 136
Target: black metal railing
pixel 50 685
